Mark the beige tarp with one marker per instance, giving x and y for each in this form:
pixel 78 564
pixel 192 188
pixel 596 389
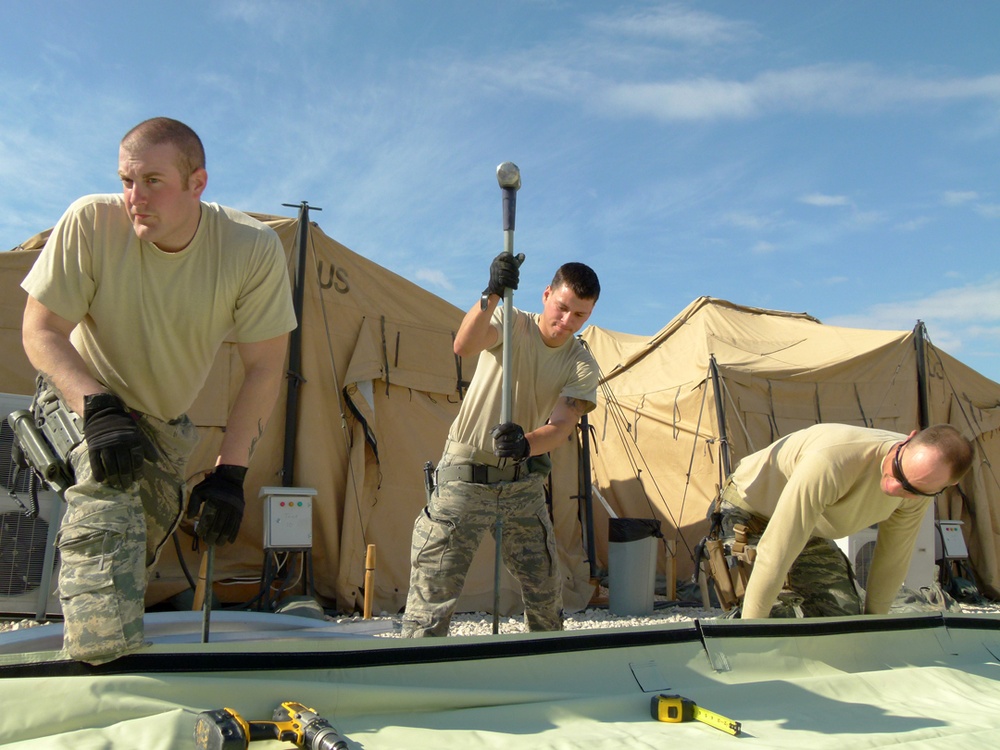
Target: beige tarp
pixel 826 683
pixel 656 431
pixel 379 387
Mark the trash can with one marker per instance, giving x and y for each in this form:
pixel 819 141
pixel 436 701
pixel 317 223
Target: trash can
pixel 632 565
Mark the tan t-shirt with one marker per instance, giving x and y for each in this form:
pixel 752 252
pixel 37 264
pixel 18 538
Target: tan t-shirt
pixel 150 323
pixel 825 481
pixel 540 376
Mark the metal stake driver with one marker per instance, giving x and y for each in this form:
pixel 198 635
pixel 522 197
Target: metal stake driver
pixel 509 177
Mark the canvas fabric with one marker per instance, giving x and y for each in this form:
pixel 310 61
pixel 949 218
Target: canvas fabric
pixel 447 534
pixel 923 682
pixel 657 436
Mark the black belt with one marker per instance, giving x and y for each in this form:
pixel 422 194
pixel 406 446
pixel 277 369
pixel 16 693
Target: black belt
pixel 478 474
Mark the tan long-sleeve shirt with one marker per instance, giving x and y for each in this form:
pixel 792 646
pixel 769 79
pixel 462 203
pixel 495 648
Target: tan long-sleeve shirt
pixel 825 481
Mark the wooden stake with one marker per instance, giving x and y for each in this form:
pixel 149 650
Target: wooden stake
pixel 670 570
pixel 369 580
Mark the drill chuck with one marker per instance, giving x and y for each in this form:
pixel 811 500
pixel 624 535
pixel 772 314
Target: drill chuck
pixel 317 733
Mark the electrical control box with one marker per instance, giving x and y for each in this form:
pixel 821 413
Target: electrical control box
pixel 287 517
pixel 951 541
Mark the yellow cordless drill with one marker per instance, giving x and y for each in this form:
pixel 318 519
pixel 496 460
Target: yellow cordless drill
pixel 225 729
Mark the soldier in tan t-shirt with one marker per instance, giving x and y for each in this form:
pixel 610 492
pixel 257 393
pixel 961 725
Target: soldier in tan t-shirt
pixel 489 468
pixel 128 304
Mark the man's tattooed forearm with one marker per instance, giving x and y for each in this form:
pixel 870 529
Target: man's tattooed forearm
pixel 253 443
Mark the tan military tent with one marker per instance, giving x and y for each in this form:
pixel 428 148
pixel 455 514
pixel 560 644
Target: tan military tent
pixel 721 376
pixel 377 387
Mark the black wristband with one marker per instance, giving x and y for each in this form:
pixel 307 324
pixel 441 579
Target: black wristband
pixel 94 402
pixel 231 473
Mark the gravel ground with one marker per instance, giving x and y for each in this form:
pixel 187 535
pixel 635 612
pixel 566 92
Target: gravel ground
pixel 480 623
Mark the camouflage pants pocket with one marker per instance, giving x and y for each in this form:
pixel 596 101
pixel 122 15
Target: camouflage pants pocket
pixel 99 589
pixel 436 577
pixel 431 544
pixel 533 558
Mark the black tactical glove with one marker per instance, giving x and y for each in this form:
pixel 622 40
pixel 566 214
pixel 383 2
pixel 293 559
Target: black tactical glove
pixel 221 492
pixel 509 441
pixel 504 273
pixel 114 440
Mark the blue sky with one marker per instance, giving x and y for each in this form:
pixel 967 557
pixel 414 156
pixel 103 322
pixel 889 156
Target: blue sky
pixel 835 158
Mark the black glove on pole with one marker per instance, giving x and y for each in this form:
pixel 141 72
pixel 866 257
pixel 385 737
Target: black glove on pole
pixel 509 441
pixel 221 492
pixel 114 441
pixel 505 273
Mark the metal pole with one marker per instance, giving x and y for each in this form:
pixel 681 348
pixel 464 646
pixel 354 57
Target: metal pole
pixel 587 493
pixel 720 414
pixel 206 615
pixel 923 411
pixel 509 177
pixel 295 346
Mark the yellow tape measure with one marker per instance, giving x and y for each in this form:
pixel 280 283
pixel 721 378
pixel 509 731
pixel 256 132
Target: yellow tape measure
pixel 674 708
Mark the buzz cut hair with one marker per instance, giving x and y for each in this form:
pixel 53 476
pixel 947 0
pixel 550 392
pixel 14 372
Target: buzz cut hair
pixel 160 130
pixel 579 278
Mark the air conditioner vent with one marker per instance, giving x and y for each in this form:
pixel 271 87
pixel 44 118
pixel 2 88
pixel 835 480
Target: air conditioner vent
pixel 862 562
pixel 22 553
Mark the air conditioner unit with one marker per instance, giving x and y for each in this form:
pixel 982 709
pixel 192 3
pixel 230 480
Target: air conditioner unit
pixel 860 548
pixel 28 556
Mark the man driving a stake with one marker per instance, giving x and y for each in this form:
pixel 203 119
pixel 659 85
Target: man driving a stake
pixel 489 468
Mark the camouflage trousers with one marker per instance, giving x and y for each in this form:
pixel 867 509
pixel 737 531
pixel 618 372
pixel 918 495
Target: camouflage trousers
pixel 447 534
pixel 109 540
pixel 820 582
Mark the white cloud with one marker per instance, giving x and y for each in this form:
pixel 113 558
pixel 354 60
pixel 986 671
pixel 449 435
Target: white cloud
pixel 989 210
pixel 745 220
pixel 866 218
pixel 957 319
pixel 822 201
pixel 675 23
pixel 848 90
pixel 913 224
pixel 764 248
pixel 434 278
pixel 967 304
pixel 958 197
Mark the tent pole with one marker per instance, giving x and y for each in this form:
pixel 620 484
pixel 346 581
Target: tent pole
pixel 920 341
pixel 720 414
pixel 586 493
pixel 295 346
